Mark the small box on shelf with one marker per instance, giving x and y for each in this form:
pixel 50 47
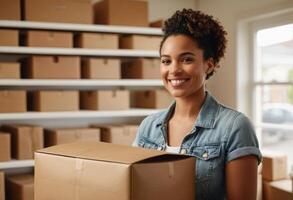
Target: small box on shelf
pixel 10 10
pixel 20 187
pixel 9 70
pixel 13 101
pixel 274 166
pixel 2 185
pixel 5 146
pixel 140 42
pixel 9 37
pixel 97 41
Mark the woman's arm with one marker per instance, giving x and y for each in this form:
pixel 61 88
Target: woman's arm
pixel 241 178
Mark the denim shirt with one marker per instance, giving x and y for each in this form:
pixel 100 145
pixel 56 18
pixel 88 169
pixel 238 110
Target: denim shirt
pixel 219 135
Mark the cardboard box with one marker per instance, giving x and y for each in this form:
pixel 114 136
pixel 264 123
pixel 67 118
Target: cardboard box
pixel 9 37
pixel 151 99
pixel 9 70
pixel 97 41
pixel 2 186
pixel 10 10
pixel 68 135
pixel 107 171
pixel 157 24
pixel 52 67
pixel 121 12
pixel 118 134
pixel 274 166
pixel 20 187
pixel 140 42
pixel 69 11
pixel 12 101
pixel 49 39
pixel 47 101
pixel 5 154
pixel 25 140
pixel 105 100
pixel 142 69
pixel 281 190
pixel 100 68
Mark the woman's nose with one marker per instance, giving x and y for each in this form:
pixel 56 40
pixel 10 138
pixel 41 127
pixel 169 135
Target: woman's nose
pixel 175 68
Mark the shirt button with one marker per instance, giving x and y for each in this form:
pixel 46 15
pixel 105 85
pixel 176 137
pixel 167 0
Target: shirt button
pixel 205 155
pixel 183 151
pixel 160 148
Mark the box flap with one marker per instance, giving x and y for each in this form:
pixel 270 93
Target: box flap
pixel 94 150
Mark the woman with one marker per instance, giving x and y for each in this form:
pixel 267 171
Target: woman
pixel 222 139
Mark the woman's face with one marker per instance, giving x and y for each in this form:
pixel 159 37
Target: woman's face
pixel 183 68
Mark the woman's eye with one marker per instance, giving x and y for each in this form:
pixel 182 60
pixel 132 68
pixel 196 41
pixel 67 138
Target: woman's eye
pixel 187 60
pixel 165 62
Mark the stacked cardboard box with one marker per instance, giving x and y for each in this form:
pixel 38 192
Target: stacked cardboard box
pixel 151 99
pixel 2 186
pixel 158 23
pixel 5 154
pixel 9 37
pixel 20 187
pixel 47 101
pixel 118 134
pixel 10 10
pixel 107 171
pixel 69 11
pixel 121 12
pixel 97 41
pixel 25 140
pixel 9 70
pixel 49 39
pixel 140 42
pixel 141 69
pixel 52 67
pixel 99 68
pixel 68 135
pixel 105 100
pixel 12 101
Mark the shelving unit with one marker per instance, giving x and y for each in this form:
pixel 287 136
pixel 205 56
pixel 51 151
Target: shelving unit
pixel 83 117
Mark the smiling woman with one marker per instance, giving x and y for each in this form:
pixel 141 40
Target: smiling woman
pixel 223 140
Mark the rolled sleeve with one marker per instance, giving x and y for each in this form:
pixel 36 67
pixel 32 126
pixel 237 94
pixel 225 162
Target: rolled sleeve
pixel 242 140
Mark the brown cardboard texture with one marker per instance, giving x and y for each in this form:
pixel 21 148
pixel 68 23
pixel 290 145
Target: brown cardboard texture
pixel 101 68
pixel 152 99
pixel 69 11
pixel 157 24
pixel 20 187
pixel 141 69
pixel 140 42
pixel 281 190
pixel 118 134
pixel 274 166
pixel 12 101
pixel 9 10
pixel 97 41
pixel 49 39
pixel 69 135
pixel 25 140
pixel 9 70
pixel 121 12
pixel 5 154
pixel 2 186
pixel 105 100
pixel 52 67
pixel 55 101
pixel 9 37
pixel 96 170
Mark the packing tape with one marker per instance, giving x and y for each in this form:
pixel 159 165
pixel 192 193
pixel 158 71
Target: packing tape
pixel 171 169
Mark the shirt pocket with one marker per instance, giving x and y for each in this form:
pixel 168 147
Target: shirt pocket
pixel 147 143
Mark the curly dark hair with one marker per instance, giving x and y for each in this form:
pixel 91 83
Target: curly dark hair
pixel 206 31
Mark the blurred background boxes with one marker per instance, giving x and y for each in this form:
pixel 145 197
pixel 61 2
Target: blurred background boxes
pixel 5 145
pixel 101 68
pixel 151 99
pixel 68 135
pixel 121 12
pixel 9 37
pixel 140 42
pixel 141 68
pixel 48 39
pixel 2 186
pixel 97 41
pixel 10 10
pixel 278 190
pixel 157 24
pixel 9 70
pixel 105 100
pixel 274 166
pixel 47 101
pixel 13 101
pixel 20 187
pixel 52 67
pixel 25 140
pixel 69 11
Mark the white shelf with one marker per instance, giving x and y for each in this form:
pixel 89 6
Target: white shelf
pixel 82 114
pixel 16 164
pixel 80 27
pixel 78 52
pixel 75 84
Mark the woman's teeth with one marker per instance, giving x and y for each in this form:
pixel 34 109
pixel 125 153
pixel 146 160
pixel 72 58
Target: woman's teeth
pixel 177 82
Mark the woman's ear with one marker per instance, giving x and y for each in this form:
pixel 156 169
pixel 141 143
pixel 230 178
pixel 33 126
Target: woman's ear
pixel 210 65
